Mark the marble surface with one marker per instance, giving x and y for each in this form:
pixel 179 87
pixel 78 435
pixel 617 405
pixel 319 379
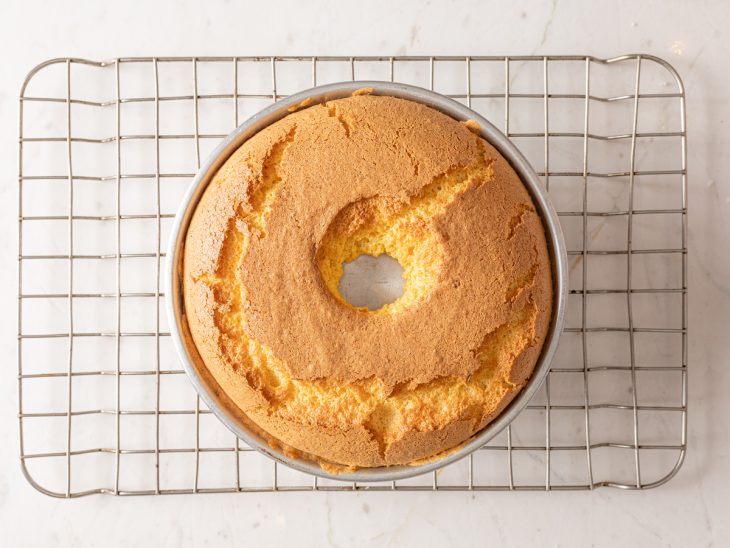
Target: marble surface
pixel 690 510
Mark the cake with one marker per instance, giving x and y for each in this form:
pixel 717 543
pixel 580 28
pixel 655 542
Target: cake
pixel 347 386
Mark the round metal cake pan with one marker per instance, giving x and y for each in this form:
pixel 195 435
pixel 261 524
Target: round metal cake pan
pixel 206 386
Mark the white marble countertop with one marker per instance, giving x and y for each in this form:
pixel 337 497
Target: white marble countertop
pixel 691 510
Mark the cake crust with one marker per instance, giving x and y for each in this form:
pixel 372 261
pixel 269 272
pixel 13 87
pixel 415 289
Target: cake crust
pixel 263 256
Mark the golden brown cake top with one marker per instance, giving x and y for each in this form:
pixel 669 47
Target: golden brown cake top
pixel 367 174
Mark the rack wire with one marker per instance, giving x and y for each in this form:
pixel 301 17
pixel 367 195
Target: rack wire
pixel 106 150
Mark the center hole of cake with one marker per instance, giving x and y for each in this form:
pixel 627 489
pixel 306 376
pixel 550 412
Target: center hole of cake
pixel 371 282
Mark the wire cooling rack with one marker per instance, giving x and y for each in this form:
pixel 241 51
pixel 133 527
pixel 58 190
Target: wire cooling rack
pixel 108 148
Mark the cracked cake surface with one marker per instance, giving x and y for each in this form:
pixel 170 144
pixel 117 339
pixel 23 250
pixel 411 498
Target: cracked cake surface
pixel 367 175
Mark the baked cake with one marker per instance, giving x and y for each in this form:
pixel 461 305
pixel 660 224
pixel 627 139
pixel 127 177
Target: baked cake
pixel 348 386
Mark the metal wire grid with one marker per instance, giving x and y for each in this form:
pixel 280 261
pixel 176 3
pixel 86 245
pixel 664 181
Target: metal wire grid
pixel 581 432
